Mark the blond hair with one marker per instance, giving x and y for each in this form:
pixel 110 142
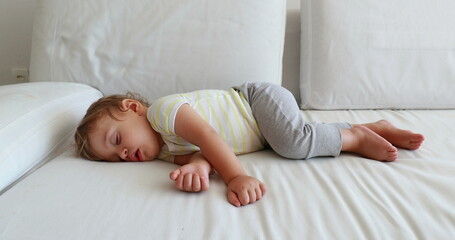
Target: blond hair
pixel 104 106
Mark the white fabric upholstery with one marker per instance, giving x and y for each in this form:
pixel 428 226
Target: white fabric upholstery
pixel 378 54
pixel 323 198
pixel 34 119
pixel 158 47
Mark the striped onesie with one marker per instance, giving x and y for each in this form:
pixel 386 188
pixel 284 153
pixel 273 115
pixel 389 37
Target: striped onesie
pixel 228 112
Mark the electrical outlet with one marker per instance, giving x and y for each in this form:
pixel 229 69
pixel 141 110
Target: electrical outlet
pixel 20 74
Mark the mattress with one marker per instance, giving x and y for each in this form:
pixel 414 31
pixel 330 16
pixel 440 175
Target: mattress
pixel 322 198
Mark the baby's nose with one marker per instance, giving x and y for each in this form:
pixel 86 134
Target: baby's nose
pixel 123 153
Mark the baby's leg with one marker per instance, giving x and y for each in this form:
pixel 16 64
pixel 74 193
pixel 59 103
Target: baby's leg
pixel 398 137
pixel 282 124
pixel 361 140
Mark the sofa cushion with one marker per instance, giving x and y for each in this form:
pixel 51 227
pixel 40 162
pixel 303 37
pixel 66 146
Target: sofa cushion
pixel 34 119
pixel 323 198
pixel 158 47
pixel 373 54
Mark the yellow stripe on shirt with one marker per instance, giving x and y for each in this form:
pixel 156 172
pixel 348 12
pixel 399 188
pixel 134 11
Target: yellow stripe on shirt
pixel 223 109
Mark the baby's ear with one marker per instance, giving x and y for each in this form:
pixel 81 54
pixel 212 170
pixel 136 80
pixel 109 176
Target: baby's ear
pixel 133 105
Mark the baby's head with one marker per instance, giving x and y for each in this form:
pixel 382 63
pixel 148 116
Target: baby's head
pixel 112 127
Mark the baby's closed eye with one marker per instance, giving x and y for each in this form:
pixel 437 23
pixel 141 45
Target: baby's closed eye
pixel 117 139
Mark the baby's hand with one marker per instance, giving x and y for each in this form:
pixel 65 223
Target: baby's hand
pixel 192 177
pixel 243 190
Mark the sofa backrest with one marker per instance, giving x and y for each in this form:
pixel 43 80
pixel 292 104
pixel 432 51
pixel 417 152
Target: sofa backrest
pixel 378 54
pixel 156 47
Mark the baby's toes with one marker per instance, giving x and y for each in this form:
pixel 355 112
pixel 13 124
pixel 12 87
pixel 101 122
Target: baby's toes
pixel 417 138
pixel 414 145
pixel 392 154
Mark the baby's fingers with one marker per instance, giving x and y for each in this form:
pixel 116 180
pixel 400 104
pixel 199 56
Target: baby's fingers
pixel 239 199
pixel 175 174
pixel 191 182
pixel 179 182
pixel 244 197
pixel 233 199
pixel 196 183
pixel 188 182
pixel 263 188
pixel 252 196
pixel 259 194
pixel 205 183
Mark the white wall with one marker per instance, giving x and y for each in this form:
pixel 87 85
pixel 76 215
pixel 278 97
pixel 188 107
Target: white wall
pixel 16 24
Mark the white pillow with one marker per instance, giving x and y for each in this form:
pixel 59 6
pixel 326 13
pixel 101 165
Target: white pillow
pixel 34 119
pixel 158 47
pixel 378 54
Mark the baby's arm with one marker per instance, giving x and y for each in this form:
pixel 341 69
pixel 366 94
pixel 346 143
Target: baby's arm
pixel 242 189
pixel 193 176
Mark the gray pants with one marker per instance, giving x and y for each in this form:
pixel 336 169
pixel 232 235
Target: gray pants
pixel 282 125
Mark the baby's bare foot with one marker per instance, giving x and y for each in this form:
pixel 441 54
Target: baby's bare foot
pixel 398 137
pixel 361 140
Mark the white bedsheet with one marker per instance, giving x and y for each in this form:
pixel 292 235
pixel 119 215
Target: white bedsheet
pixel 323 198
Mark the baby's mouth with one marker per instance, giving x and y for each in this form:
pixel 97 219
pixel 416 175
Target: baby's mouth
pixel 138 156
